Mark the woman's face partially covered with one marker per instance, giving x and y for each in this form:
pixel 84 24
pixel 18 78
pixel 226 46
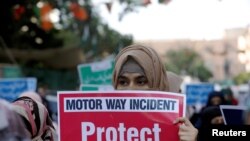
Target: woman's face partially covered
pixel 139 67
pixel 132 81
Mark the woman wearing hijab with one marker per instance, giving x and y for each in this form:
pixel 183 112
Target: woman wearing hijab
pixel 139 67
pixel 211 117
pixel 36 119
pixel 11 126
pixel 216 98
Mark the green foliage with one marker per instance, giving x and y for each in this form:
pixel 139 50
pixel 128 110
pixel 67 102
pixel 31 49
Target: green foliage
pixel 91 34
pixel 242 78
pixel 188 62
pixel 102 39
pixel 19 31
pixel 95 37
pixel 70 39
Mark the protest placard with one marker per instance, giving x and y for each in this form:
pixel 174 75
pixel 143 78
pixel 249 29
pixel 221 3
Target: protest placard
pixel 233 114
pixel 98 73
pixel 119 115
pixel 198 93
pixel 11 88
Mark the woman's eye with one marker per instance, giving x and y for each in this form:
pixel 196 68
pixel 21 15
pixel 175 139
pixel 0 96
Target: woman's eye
pixel 142 81
pixel 123 82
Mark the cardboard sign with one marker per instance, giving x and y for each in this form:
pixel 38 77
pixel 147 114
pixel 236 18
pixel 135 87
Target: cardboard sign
pixel 198 93
pixel 119 115
pixel 10 88
pixel 97 72
pixel 232 114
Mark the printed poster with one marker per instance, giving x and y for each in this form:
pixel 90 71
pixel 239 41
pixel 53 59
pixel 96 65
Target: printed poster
pixel 119 115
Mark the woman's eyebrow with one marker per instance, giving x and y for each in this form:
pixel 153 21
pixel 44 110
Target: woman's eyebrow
pixel 122 77
pixel 141 77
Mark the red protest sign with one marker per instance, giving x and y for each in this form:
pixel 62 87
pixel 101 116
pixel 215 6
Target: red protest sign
pixel 119 115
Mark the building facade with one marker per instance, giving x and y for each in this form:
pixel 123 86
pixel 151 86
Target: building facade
pixel 220 56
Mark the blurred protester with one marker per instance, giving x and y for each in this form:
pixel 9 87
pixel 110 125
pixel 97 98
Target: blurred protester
pixel 36 119
pixel 215 98
pixel 42 91
pixel 193 114
pixel 211 116
pixel 174 82
pixel 229 96
pixel 139 67
pixel 11 126
pixel 35 96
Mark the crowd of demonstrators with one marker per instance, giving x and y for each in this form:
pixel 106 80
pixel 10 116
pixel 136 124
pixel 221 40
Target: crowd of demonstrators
pixel 138 67
pixel 211 115
pixel 215 98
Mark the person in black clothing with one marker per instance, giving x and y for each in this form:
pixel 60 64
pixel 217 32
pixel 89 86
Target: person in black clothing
pixel 215 98
pixel 210 118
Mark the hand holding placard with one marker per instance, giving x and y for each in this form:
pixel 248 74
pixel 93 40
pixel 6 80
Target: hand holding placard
pixel 186 129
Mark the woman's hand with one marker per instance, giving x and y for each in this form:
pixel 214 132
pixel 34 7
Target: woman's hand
pixel 187 132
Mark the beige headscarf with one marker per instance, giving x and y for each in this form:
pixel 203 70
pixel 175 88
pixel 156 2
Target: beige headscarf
pixel 149 60
pixel 32 95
